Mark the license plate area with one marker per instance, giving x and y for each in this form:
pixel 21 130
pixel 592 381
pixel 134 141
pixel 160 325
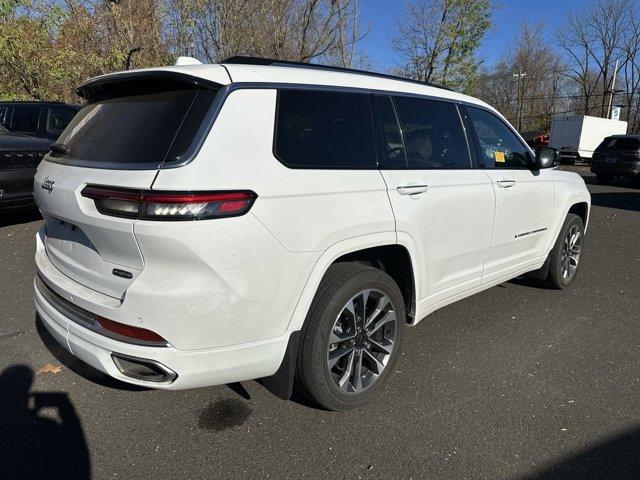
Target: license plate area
pixel 73 253
pixel 67 237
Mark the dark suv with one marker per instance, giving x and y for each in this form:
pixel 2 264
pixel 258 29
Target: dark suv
pixel 617 156
pixel 37 119
pixel 19 158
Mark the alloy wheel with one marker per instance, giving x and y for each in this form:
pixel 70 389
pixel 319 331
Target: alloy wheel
pixel 361 341
pixel 571 252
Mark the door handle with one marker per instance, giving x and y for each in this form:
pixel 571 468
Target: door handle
pixel 412 189
pixel 506 183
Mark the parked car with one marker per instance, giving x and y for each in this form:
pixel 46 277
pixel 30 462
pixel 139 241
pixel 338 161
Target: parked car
pixel 37 119
pixel 207 224
pixel 578 137
pixel 19 157
pixel 617 156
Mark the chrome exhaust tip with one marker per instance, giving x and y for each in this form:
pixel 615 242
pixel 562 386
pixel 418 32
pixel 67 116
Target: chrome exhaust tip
pixel 143 369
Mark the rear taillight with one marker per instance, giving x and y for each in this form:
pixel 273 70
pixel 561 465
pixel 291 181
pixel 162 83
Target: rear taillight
pixel 150 205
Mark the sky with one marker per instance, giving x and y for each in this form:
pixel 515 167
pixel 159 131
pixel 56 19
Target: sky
pixel 381 16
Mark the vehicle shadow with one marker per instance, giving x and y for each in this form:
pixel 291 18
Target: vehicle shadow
pixel 617 458
pixel 620 200
pixel 16 216
pixel 529 282
pixel 617 182
pixel 78 366
pixel 41 433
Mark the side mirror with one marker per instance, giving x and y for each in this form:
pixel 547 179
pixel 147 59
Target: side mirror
pixel 546 157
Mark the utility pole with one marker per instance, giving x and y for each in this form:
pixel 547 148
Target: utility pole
pixel 612 90
pixel 519 99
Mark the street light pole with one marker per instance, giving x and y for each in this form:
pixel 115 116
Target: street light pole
pixel 519 76
pixel 612 90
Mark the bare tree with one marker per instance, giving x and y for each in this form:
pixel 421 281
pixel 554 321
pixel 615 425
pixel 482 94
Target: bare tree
pixel 630 73
pixel 437 39
pixel 527 84
pixel 299 30
pixel 591 40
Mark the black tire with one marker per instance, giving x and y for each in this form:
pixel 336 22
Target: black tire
pixel 340 284
pixel 604 179
pixel 555 277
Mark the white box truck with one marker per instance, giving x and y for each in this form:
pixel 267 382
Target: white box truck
pixel 577 137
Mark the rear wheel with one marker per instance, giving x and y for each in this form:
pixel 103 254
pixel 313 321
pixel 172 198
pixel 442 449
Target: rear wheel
pixel 564 260
pixel 352 336
pixel 604 179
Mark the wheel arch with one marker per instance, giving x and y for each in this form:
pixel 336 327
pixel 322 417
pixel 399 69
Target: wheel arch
pixel 580 209
pixel 379 250
pixel 578 204
pixel 394 260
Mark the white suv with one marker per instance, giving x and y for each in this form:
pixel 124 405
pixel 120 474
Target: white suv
pixel 207 224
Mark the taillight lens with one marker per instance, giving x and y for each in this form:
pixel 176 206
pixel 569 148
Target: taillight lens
pixel 150 205
pixel 128 331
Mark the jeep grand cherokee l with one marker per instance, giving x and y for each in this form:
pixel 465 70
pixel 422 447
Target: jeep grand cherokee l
pixel 207 224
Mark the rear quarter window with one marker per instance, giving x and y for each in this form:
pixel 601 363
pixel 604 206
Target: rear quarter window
pixel 316 129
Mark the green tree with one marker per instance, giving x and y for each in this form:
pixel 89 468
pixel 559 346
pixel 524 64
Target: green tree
pixel 438 40
pixel 47 48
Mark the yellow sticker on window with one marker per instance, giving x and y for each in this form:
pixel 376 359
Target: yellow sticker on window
pixel 499 156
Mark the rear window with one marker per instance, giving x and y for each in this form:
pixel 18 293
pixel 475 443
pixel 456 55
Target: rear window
pixel 621 144
pixel 324 130
pixel 144 127
pixel 57 120
pixel 25 119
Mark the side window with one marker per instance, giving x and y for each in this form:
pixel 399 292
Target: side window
pixel 25 119
pixel 499 147
pixel 317 129
pixel 433 134
pixel 393 154
pixel 3 113
pixel 57 119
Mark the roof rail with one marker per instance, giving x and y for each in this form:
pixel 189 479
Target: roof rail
pixel 243 60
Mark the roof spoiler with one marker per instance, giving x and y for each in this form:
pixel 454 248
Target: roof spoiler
pixel 98 86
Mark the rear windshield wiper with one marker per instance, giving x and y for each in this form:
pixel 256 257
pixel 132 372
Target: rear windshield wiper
pixel 60 148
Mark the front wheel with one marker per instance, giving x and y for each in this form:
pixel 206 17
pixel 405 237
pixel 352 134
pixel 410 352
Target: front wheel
pixel 352 336
pixel 564 260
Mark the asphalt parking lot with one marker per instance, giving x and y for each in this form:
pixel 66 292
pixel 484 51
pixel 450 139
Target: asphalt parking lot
pixel 518 382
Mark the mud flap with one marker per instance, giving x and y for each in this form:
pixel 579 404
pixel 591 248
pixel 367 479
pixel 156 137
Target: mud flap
pixel 281 382
pixel 542 272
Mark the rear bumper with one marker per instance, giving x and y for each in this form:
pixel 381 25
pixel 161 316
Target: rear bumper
pixel 192 368
pixel 631 169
